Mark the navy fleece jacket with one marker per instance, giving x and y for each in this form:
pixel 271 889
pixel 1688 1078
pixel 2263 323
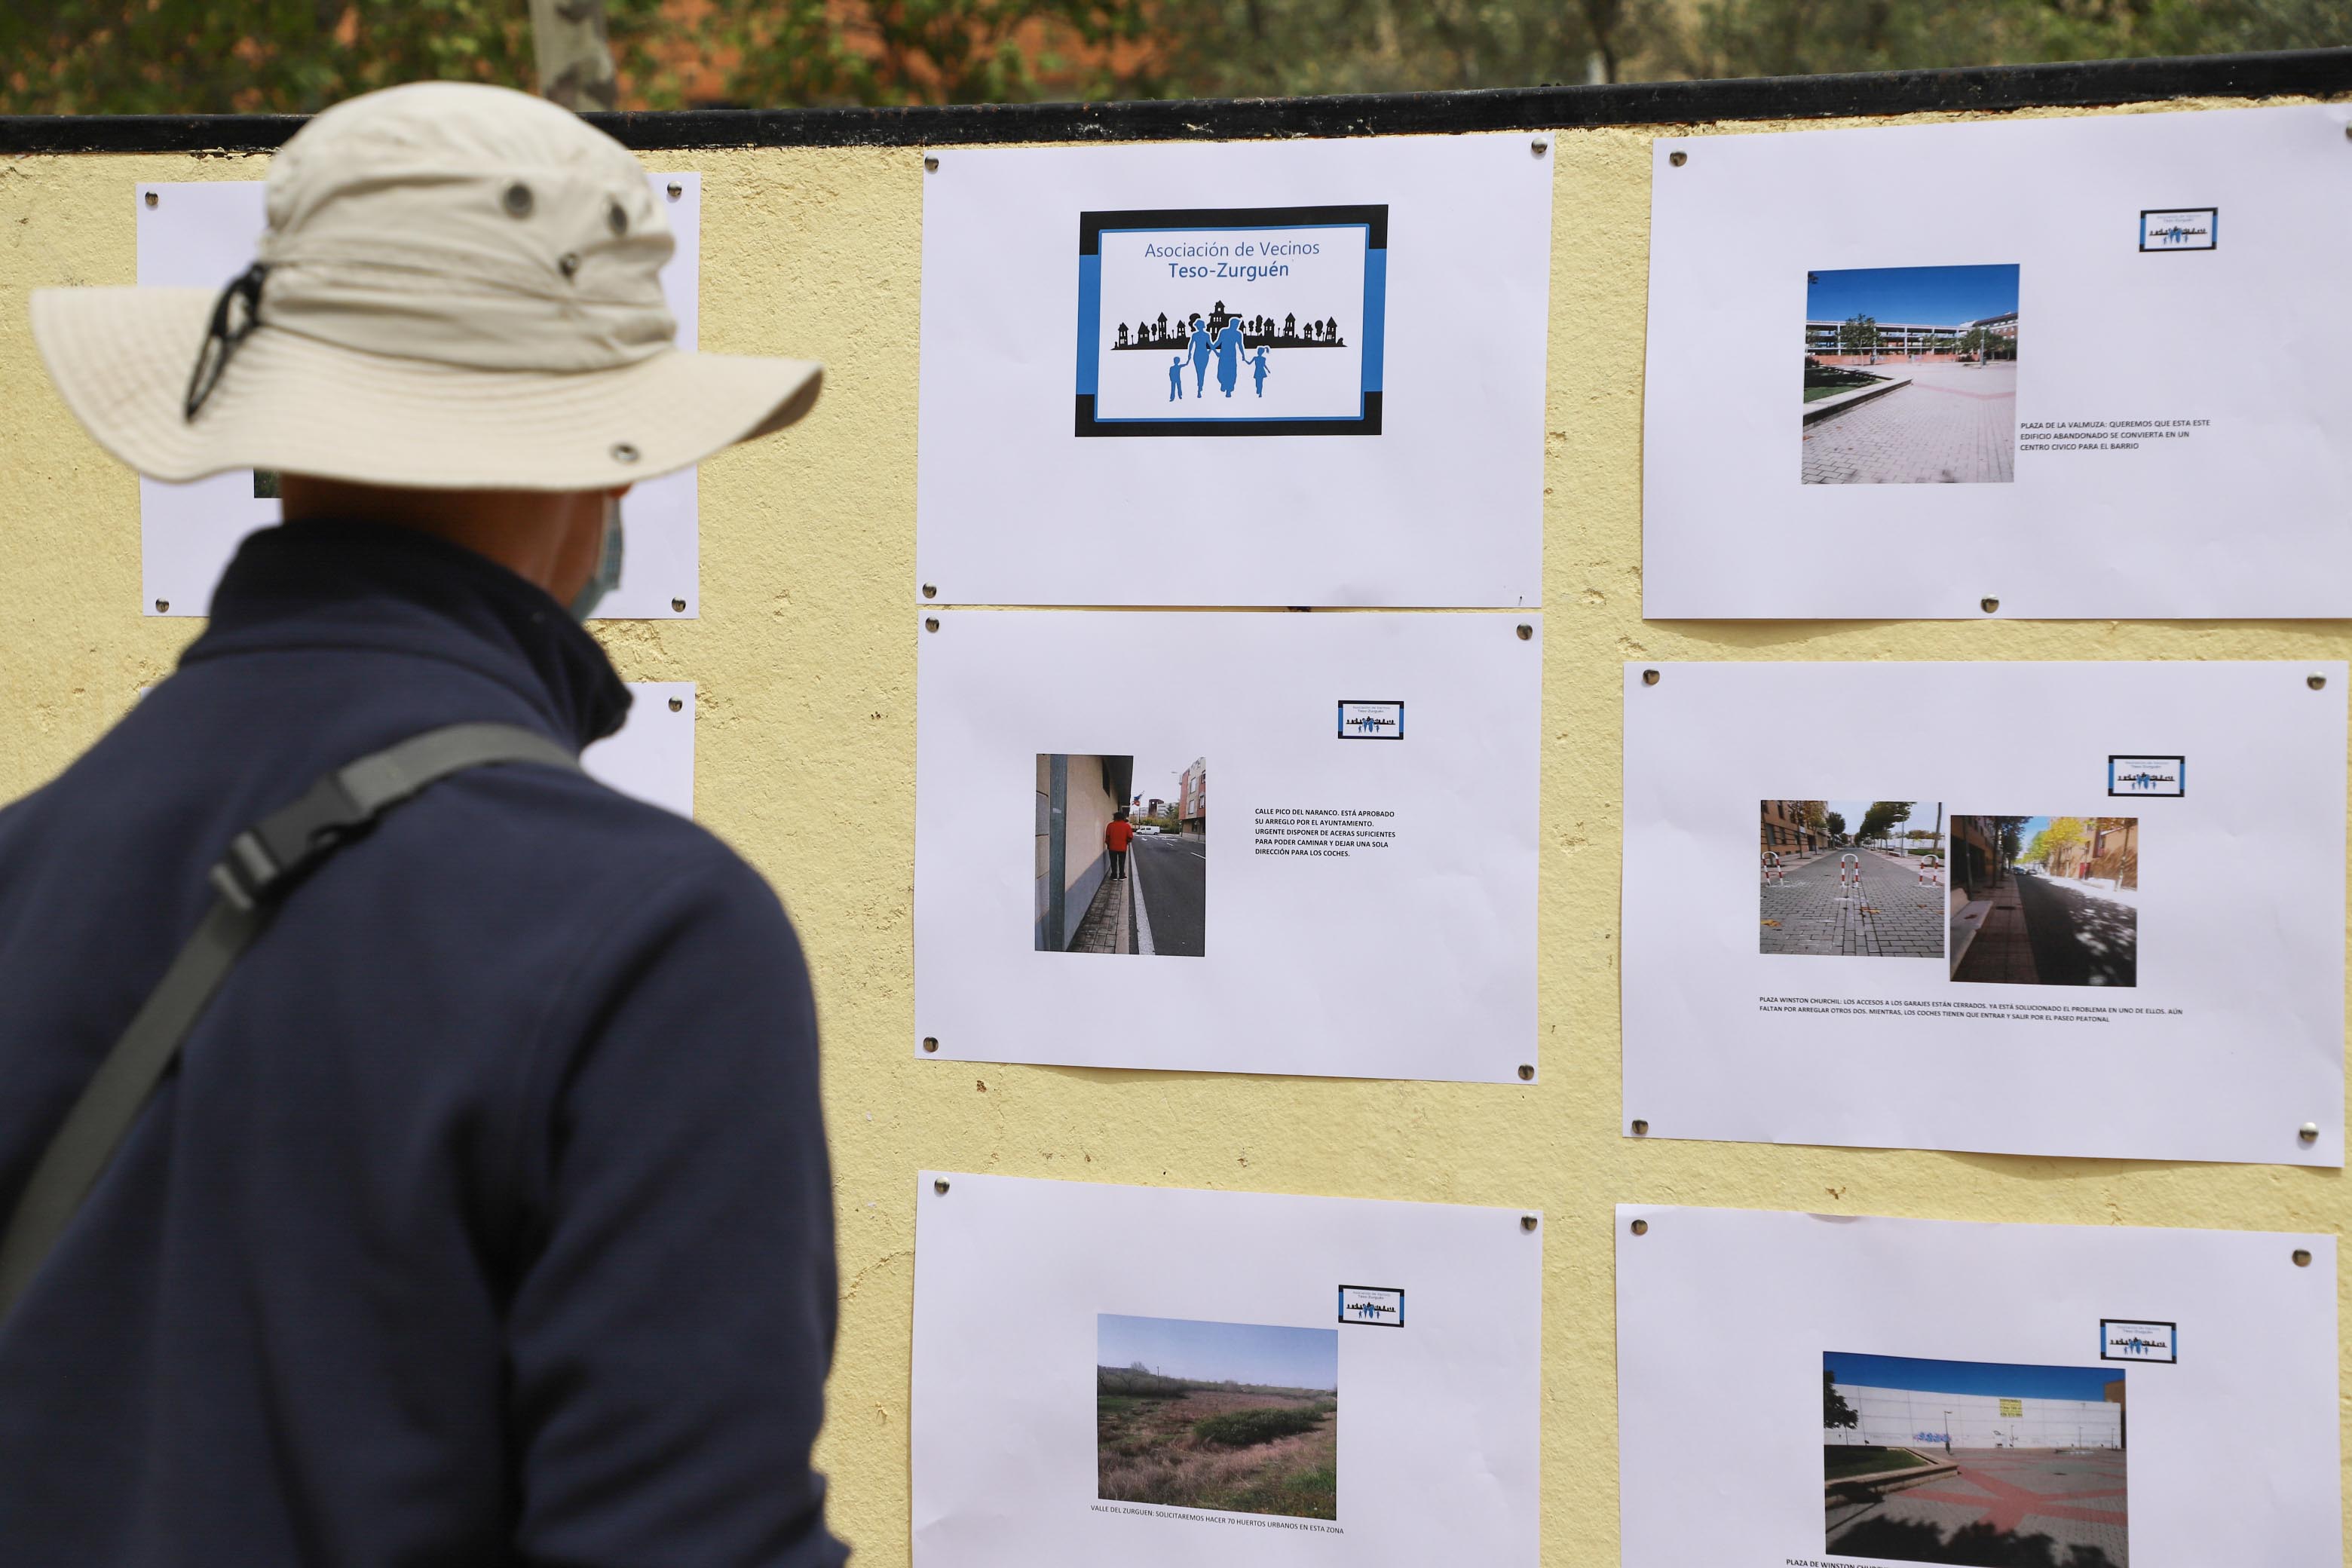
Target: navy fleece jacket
pixel 485 1219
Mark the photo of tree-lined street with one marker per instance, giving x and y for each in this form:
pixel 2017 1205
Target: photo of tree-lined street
pixel 1854 879
pixel 2045 901
pixel 1910 375
pixel 1985 1464
pixel 1233 1418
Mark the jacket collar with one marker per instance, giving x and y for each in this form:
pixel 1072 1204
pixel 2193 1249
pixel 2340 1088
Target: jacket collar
pixel 376 585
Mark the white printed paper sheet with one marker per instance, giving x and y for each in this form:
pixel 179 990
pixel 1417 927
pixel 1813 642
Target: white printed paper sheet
pixel 2031 909
pixel 1327 863
pixel 1990 1394
pixel 200 234
pixel 2071 368
pixel 1303 373
pixel 651 756
pixel 1276 1382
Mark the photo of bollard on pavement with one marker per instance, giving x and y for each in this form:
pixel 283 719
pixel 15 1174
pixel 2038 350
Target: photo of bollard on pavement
pixel 1851 879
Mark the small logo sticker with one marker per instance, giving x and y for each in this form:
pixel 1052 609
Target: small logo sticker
pixel 2147 775
pixel 2132 1338
pixel 2179 228
pixel 1372 1304
pixel 1371 721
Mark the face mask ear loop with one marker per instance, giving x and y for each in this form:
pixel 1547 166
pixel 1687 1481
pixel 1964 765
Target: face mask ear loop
pixel 608 575
pixel 221 339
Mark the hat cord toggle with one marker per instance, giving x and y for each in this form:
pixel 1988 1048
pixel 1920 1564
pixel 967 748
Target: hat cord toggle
pixel 221 339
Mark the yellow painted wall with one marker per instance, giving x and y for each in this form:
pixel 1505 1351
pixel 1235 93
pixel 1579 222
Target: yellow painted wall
pixel 805 658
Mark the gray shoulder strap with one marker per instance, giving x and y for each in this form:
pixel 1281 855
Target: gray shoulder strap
pixel 262 862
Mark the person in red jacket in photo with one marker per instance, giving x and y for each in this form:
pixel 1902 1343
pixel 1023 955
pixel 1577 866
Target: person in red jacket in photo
pixel 1118 833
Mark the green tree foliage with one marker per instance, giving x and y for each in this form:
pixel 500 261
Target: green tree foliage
pixel 1836 823
pixel 1802 38
pixel 165 57
pixel 1835 1410
pixel 1881 819
pixel 1858 334
pixel 131 57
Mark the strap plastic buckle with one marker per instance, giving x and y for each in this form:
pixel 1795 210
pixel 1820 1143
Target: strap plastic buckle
pixel 264 858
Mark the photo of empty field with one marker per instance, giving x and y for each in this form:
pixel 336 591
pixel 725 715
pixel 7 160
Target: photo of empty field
pixel 1230 1417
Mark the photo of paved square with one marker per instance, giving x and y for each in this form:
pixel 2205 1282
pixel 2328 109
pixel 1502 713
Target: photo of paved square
pixel 1851 879
pixel 1910 376
pixel 1985 1464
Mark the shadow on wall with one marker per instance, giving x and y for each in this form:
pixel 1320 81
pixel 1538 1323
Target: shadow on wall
pixel 1076 797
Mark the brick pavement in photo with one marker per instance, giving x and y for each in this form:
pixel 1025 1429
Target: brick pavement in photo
pixel 1954 424
pixel 1893 918
pixel 2000 1498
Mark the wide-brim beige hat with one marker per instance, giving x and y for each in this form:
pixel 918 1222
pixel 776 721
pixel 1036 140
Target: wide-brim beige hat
pixel 458 289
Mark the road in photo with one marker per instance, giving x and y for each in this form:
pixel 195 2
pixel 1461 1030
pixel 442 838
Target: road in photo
pixel 1234 1417
pixel 1851 879
pixel 1910 375
pixel 1979 1462
pixel 1171 882
pixel 2045 901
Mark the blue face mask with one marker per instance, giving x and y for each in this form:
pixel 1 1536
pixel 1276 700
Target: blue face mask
pixel 607 576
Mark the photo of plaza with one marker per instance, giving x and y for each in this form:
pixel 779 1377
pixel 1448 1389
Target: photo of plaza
pixel 1985 1464
pixel 1235 1417
pixel 2045 901
pixel 1123 855
pixel 1910 376
pixel 1852 878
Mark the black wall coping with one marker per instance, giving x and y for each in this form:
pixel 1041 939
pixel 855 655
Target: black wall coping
pixel 2317 73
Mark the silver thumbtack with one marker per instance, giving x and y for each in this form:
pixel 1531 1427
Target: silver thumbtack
pixel 1677 158
pixel 930 1042
pixel 930 166
pixel 930 591
pixel 2316 681
pixel 1649 677
pixel 1527 1222
pixel 676 190
pixel 153 198
pixel 1537 146
pixel 940 1185
pixel 1989 606
pixel 1525 631
pixel 162 606
pixel 2310 1133
pixel 1641 1127
pixel 1640 1227
pixel 2302 1259
pixel 678 704
pixel 1526 1072
pixel 678 605
pixel 930 623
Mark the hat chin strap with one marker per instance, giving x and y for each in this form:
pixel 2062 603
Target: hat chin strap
pixel 221 339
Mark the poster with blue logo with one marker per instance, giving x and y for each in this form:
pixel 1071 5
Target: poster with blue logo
pixel 1280 372
pixel 1255 344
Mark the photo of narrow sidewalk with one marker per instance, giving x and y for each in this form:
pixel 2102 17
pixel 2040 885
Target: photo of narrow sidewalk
pixel 1121 856
pixel 2045 901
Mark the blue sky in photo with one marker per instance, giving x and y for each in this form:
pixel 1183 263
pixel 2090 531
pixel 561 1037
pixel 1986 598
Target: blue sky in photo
pixel 1215 1353
pixel 1917 296
pixel 1923 815
pixel 2002 1379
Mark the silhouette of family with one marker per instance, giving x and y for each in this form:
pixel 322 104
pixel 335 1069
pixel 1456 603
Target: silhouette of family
pixel 1225 345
